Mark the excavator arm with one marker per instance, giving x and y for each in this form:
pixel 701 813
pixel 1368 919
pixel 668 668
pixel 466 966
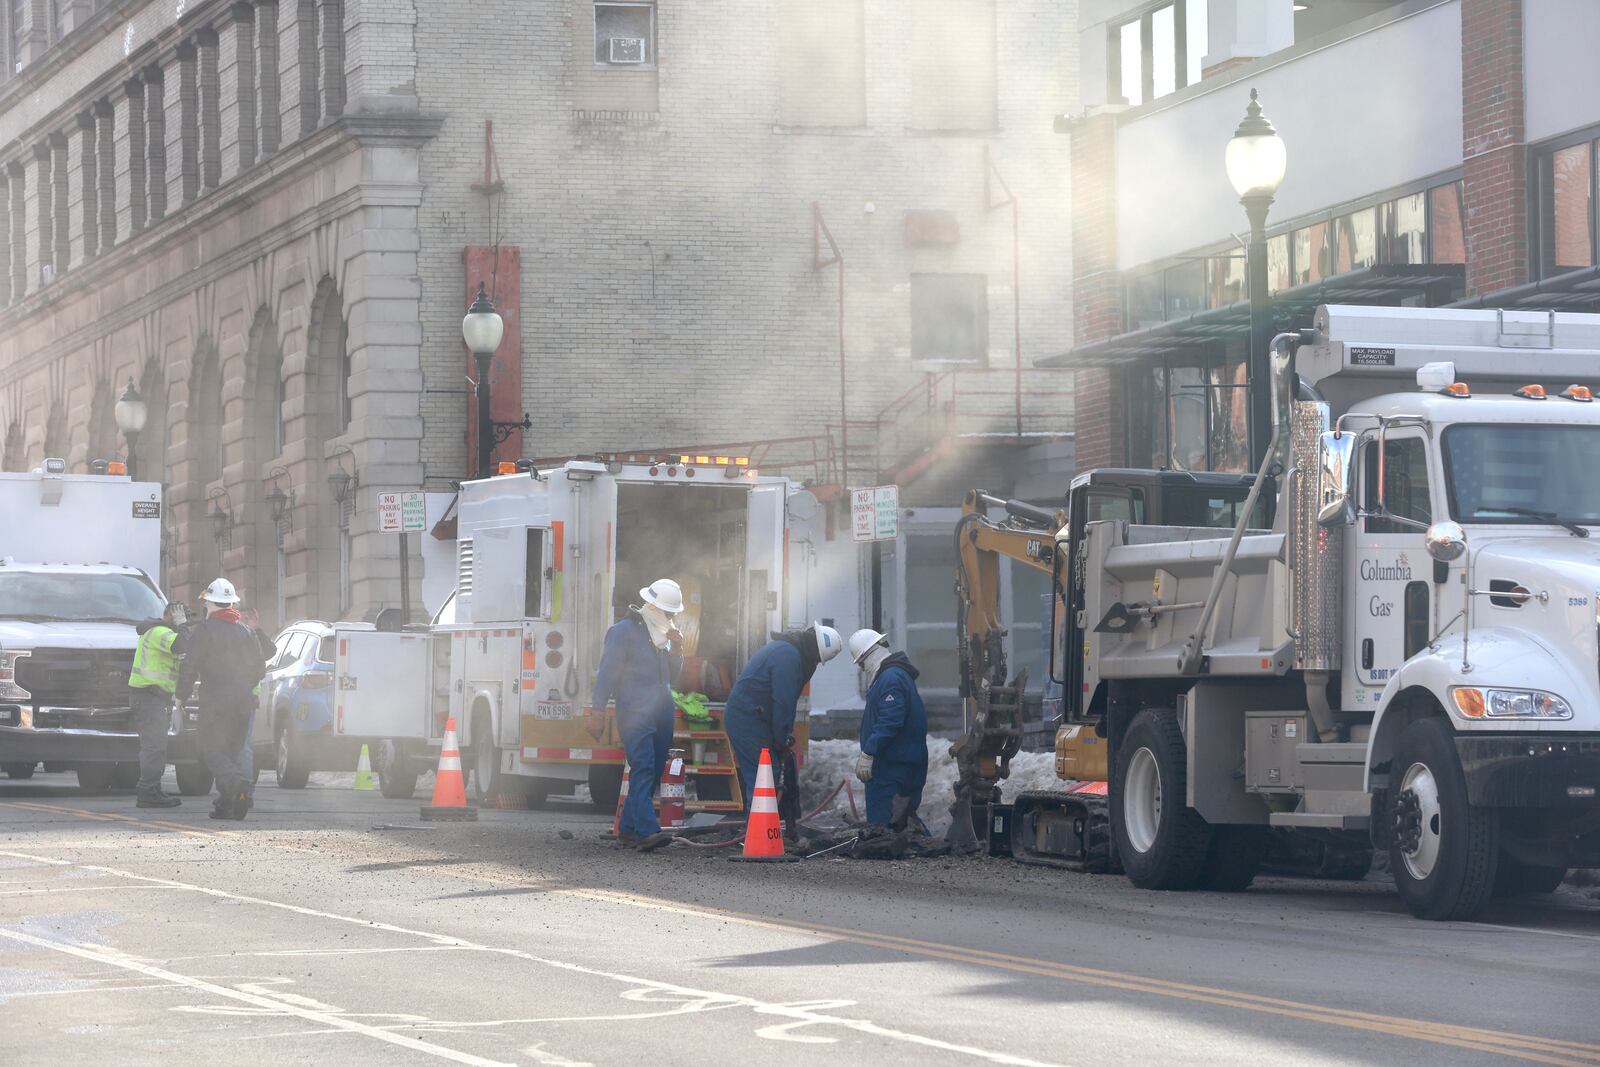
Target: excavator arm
pixel 992 710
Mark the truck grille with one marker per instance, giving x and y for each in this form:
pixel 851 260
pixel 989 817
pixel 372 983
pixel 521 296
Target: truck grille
pixel 76 678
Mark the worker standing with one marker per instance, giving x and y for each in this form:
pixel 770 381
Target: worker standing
pixel 894 732
pixel 225 657
pixel 760 711
pixel 153 681
pixel 636 670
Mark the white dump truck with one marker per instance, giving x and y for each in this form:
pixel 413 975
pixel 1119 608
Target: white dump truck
pixel 548 560
pixel 1410 655
pixel 79 559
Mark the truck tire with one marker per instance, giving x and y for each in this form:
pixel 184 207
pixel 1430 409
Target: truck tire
pixel 96 777
pixel 486 777
pixel 1234 858
pixel 397 776
pixel 292 770
pixel 605 785
pixel 1443 851
pixel 1522 879
pixel 1163 843
pixel 19 771
pixel 193 779
pixel 125 775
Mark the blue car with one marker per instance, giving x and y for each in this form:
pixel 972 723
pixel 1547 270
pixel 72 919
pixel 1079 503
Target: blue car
pixel 293 730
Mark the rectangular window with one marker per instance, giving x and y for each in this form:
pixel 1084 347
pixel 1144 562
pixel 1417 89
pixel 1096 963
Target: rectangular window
pixel 953 61
pixel 1278 262
pixel 533 590
pixel 1356 241
pixel 1146 301
pixel 1312 255
pixel 1197 18
pixel 1446 227
pixel 949 318
pixel 1147 420
pixel 1230 416
pixel 1163 52
pixel 625 35
pixel 1569 208
pixel 1159 52
pixel 1405 229
pixel 1405 485
pixel 1225 277
pixel 1130 64
pixel 1186 289
pixel 821 63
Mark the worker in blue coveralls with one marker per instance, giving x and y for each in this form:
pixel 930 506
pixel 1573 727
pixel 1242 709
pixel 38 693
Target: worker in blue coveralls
pixel 894 732
pixel 636 669
pixel 761 708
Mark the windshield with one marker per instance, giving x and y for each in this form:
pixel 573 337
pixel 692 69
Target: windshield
pixel 78 597
pixel 1523 474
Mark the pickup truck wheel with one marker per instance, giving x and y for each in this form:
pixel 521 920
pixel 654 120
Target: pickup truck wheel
pixel 1162 842
pixel 1234 858
pixel 1519 879
pixel 1443 851
pixel 397 776
pixel 193 779
pixel 292 770
pixel 125 775
pixel 486 781
pixel 19 770
pixel 96 777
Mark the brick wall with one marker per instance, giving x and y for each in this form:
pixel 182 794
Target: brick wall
pixel 1494 144
pixel 1097 291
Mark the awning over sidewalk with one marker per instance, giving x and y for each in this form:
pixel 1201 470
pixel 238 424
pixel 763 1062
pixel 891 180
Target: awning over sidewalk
pixel 1576 290
pixel 1385 285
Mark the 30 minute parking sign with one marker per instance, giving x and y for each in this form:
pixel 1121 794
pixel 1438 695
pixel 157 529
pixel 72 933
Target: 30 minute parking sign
pixel 875 513
pixel 402 513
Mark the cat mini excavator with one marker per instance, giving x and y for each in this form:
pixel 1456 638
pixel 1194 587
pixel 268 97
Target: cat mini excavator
pixel 1066 826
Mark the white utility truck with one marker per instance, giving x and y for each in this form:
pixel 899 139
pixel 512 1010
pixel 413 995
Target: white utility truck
pixel 1411 654
pixel 547 561
pixel 79 560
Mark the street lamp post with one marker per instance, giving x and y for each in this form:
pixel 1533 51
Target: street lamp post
pixel 131 412
pixel 1256 161
pixel 483 329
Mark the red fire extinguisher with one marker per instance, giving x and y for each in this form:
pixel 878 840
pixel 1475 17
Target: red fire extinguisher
pixel 673 778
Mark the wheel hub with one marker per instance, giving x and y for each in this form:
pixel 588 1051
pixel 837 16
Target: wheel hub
pixel 1418 821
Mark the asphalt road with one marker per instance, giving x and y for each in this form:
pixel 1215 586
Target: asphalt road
pixel 334 927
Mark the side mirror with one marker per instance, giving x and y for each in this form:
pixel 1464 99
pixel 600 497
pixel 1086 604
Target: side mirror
pixel 1337 452
pixel 1446 541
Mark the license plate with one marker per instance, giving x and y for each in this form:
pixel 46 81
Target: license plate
pixel 554 709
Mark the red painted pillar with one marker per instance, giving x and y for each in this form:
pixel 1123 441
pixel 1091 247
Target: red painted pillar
pixel 500 271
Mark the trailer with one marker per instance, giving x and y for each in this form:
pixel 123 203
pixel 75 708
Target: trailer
pixel 1408 657
pixel 547 560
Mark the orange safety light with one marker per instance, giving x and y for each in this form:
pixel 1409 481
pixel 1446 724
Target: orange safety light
pixel 506 467
pixel 1581 393
pixel 1469 702
pixel 1458 390
pixel 1530 392
pixel 702 460
pixel 116 467
pixel 741 461
pixel 685 460
pixel 723 461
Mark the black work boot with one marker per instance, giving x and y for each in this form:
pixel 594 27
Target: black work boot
pixel 241 804
pixel 157 800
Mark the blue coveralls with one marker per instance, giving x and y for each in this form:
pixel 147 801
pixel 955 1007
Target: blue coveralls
pixel 760 710
pixel 894 732
pixel 639 676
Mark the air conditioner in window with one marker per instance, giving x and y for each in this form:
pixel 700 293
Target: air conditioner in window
pixel 626 50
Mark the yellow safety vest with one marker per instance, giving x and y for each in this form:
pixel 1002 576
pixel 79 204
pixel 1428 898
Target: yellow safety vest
pixel 155 665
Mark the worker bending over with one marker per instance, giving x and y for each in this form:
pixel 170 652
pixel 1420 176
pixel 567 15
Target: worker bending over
pixel 226 658
pixel 761 709
pixel 894 732
pixel 636 669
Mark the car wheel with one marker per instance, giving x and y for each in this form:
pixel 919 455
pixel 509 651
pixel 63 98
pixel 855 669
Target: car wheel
pixel 397 776
pixel 96 777
pixel 1163 843
pixel 193 779
pixel 1443 851
pixel 19 770
pixel 292 771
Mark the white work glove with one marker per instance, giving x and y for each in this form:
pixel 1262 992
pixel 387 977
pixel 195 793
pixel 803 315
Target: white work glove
pixel 864 767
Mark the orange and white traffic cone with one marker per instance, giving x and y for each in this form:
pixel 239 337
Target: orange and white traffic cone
pixel 763 833
pixel 449 787
pixel 622 798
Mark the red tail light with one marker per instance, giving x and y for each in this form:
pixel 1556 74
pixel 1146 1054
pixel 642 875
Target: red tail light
pixel 316 680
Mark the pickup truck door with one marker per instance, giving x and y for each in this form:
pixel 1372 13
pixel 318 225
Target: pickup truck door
pixel 383 684
pixel 1387 583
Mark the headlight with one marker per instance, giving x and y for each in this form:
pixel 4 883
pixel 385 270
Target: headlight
pixel 1509 704
pixel 9 689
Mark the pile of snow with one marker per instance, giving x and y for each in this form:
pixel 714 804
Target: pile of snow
pixel 829 762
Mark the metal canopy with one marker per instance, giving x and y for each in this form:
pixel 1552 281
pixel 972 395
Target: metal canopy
pixel 1576 290
pixel 1385 284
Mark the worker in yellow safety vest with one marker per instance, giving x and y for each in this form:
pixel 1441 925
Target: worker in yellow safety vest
pixel 153 681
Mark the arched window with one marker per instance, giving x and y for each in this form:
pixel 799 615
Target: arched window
pixel 205 416
pixel 153 441
pixel 104 437
pixel 55 432
pixel 268 389
pixel 14 459
pixel 330 358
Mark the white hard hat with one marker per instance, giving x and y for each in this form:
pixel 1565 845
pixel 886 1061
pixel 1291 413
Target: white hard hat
pixel 864 641
pixel 220 591
pixel 829 642
pixel 664 594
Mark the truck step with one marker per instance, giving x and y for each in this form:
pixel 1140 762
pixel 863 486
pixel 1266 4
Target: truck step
pixel 1319 821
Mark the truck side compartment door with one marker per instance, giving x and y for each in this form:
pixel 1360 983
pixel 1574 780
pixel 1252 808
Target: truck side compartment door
pixel 764 563
pixel 382 684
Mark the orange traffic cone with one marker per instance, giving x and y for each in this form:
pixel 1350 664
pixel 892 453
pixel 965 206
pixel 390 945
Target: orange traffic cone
pixel 622 798
pixel 449 787
pixel 763 833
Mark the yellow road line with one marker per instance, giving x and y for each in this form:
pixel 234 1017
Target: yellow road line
pixel 1517 1046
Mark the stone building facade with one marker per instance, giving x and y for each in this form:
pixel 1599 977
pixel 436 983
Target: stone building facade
pixel 267 215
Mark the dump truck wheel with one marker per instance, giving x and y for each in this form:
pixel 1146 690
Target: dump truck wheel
pixel 1233 858
pixel 1522 879
pixel 1162 842
pixel 1443 851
